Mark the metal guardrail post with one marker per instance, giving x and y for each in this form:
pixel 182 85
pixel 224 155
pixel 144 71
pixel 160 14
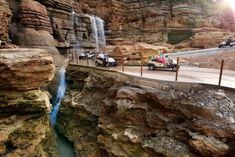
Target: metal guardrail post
pixel 72 57
pixel 177 69
pixel 221 72
pixel 123 63
pixel 141 71
pixel 87 61
pixel 77 58
pixel 107 62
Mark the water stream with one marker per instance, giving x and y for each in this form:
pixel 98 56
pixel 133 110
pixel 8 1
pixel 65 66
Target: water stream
pixel 64 146
pixel 98 33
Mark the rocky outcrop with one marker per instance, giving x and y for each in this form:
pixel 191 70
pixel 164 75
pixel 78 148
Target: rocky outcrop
pixel 5 16
pixel 131 54
pixel 110 114
pixel 34 15
pixel 24 124
pixel 24 115
pixel 25 69
pixel 31 28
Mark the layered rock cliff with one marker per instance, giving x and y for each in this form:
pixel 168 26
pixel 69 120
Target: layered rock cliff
pixel 24 108
pixel 163 22
pixel 5 16
pixel 66 24
pixel 110 114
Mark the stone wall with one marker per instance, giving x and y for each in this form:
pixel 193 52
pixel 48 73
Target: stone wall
pixel 135 117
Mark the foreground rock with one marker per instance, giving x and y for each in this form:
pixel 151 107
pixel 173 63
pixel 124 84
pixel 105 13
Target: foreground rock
pixel 110 114
pixel 24 115
pixel 24 124
pixel 25 69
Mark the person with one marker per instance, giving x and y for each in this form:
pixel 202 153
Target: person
pixel 229 40
pixel 168 60
pixel 101 55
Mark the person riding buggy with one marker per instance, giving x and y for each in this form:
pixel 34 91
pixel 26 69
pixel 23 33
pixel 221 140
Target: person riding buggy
pixel 103 59
pixel 230 42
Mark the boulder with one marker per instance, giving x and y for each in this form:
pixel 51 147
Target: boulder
pixel 24 124
pixel 25 69
pixel 209 146
pixel 132 52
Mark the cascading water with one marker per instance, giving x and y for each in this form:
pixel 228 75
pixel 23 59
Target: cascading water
pixel 94 32
pixel 60 93
pixel 101 32
pixel 98 33
pixel 64 146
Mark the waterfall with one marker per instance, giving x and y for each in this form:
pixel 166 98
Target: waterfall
pixel 60 93
pixel 98 33
pixel 72 15
pixel 101 33
pixel 64 146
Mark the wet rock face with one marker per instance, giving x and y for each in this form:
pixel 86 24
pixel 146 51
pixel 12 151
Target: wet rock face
pixel 25 69
pixel 117 115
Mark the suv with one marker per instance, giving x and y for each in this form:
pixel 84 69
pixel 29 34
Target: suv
pixel 153 64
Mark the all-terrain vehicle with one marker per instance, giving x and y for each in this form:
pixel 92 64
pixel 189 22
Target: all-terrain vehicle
pixel 168 63
pixel 228 43
pixel 105 60
pixel 87 55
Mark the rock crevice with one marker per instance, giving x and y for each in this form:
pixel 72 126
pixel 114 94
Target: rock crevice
pixel 119 115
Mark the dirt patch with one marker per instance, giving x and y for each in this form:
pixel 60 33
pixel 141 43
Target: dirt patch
pixel 213 61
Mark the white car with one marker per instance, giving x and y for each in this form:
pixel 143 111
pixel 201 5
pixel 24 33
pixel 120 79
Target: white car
pixel 169 64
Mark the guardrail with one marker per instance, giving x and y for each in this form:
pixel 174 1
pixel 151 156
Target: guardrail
pixel 73 59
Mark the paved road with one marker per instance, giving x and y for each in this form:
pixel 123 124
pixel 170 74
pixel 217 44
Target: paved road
pixel 204 52
pixel 186 74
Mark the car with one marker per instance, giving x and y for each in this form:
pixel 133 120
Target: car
pixel 105 60
pixel 154 64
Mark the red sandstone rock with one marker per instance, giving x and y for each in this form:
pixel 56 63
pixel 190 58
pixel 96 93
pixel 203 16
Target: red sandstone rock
pixel 5 15
pixel 34 15
pixel 132 52
pixel 25 69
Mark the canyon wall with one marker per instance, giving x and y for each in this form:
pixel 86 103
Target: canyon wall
pixel 24 107
pixel 110 114
pixel 66 24
pixel 181 23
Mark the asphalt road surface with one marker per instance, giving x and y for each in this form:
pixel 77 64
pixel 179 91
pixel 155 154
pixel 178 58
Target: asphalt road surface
pixel 204 52
pixel 186 74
